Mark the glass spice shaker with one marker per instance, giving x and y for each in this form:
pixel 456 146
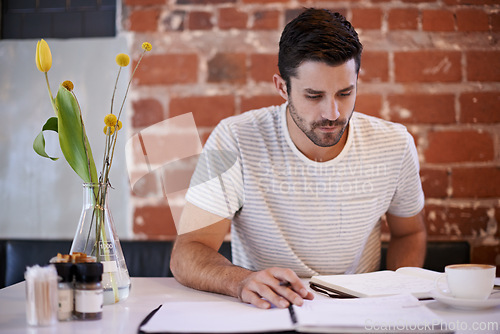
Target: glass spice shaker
pixel 65 291
pixel 88 291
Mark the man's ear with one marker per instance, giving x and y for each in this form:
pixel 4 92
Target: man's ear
pixel 280 85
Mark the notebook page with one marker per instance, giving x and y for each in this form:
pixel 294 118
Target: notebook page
pixel 380 283
pixel 367 313
pixel 217 317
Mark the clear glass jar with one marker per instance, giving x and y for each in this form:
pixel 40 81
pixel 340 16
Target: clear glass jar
pixel 65 292
pixel 88 291
pixel 96 236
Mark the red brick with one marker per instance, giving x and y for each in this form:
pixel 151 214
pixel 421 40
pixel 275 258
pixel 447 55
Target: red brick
pixel 174 20
pixel 227 67
pixel 266 20
pixel 495 21
pixel 144 20
pixel 264 1
pixel 154 221
pixel 438 20
pixel 232 18
pixel 459 146
pixel 263 67
pixel 428 66
pixel 369 104
pixel 290 14
pixel 203 2
pixel 483 65
pixel 367 18
pixel 350 1
pixel 472 20
pixel 204 137
pixel 403 19
pixel 486 254
pixel 207 110
pixel 146 112
pixel 476 182
pixel 147 185
pixel 463 223
pixel 480 107
pixel 422 108
pixel 470 2
pixel 374 67
pixel 178 179
pixel 144 2
pixel 163 148
pixel 260 101
pixel 200 20
pixel 167 69
pixel 434 182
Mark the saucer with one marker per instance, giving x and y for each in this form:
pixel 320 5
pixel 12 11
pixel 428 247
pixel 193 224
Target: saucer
pixel 468 304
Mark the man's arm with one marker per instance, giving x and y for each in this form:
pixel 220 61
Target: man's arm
pixel 195 262
pixel 408 241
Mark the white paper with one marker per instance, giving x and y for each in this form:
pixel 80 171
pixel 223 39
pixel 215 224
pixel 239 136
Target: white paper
pixel 217 317
pixel 234 316
pixel 380 283
pixel 394 312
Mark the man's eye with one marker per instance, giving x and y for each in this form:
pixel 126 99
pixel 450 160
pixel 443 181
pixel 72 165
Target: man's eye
pixel 345 94
pixel 313 97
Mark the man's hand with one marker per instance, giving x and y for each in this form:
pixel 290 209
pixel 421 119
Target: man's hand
pixel 276 286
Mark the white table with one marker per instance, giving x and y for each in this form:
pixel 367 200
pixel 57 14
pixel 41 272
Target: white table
pixel 148 293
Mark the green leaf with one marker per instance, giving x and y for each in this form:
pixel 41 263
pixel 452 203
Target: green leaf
pixel 39 142
pixel 72 138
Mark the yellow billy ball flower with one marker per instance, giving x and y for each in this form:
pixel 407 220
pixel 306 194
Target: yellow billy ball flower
pixel 111 130
pixel 147 46
pixel 110 120
pixel 43 56
pixel 119 125
pixel 68 85
pixel 122 59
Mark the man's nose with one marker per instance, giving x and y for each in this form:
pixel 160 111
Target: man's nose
pixel 331 111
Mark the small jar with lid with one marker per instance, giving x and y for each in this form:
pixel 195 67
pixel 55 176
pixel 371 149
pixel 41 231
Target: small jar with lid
pixel 65 294
pixel 88 291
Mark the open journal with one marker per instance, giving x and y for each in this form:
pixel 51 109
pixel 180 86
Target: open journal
pixel 389 314
pixel 417 281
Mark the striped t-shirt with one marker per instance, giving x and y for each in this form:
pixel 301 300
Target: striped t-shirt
pixel 289 211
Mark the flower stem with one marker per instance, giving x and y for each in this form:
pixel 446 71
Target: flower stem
pixel 50 93
pixel 129 82
pixel 114 90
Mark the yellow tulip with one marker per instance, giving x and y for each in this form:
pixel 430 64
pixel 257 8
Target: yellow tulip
pixel 43 56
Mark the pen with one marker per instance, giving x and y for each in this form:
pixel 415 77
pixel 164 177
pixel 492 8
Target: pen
pixel 290 306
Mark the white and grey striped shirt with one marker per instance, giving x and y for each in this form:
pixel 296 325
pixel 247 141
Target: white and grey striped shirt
pixel 289 211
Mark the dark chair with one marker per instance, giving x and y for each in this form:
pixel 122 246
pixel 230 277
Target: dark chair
pixel 439 254
pixel 20 254
pixel 152 258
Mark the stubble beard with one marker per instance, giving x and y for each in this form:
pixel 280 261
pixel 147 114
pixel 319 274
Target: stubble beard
pixel 321 139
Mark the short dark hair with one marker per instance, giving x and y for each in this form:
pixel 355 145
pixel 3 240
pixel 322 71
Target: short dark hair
pixel 317 35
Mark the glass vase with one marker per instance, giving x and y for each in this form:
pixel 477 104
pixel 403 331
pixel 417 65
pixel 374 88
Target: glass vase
pixel 96 236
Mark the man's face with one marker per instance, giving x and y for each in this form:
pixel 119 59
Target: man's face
pixel 322 100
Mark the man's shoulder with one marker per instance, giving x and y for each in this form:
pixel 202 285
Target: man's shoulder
pixel 374 126
pixel 255 117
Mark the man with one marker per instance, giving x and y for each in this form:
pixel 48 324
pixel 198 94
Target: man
pixel 310 181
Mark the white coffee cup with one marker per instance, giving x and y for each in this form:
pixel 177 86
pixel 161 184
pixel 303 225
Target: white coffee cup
pixel 468 281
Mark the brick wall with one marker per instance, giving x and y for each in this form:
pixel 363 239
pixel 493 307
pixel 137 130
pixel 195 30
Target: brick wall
pixel 433 65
